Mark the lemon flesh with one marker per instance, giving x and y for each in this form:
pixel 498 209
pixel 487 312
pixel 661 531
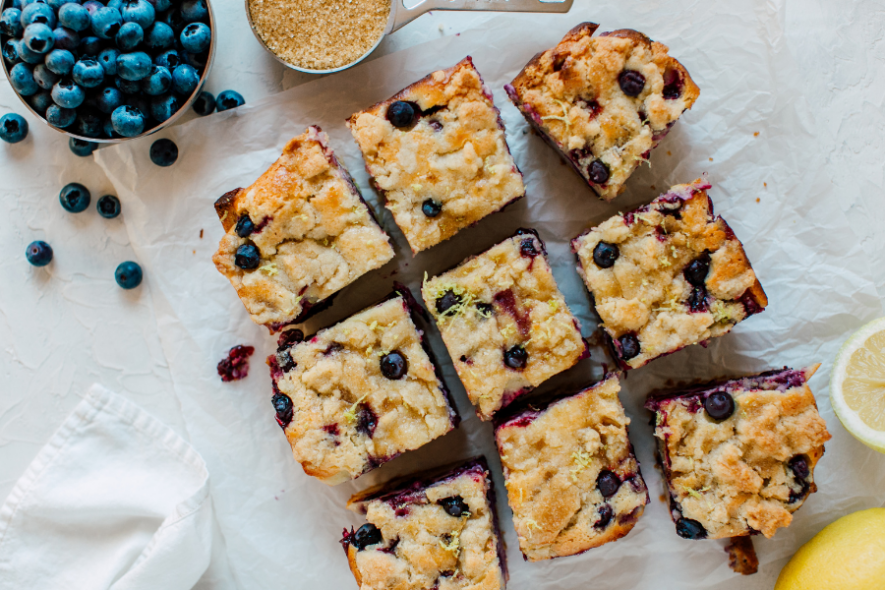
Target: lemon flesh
pixel 849 554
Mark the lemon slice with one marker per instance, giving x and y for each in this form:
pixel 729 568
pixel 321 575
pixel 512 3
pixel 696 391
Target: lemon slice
pixel 857 386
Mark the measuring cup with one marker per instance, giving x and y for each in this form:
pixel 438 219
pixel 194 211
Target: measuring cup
pixel 400 16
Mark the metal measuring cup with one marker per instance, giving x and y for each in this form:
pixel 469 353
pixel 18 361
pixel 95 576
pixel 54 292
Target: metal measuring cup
pixel 400 16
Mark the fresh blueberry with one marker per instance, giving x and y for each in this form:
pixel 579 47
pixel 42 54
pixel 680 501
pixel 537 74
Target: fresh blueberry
pixel 92 6
pixel 799 466
pixel 38 38
pixel 90 47
pixel 161 5
pixel 108 60
pixel 88 73
pixel 204 104
pixel 128 275
pixel 598 172
pixel 82 148
pixel 127 120
pixel 89 123
pixel 174 19
pixel 195 38
pixel 44 77
pixel 109 129
pixel 28 56
pixel 57 4
pixel 719 405
pixel 629 346
pixel 65 38
pixel 528 249
pixel 39 253
pixel 164 152
pixel 194 10
pixel 67 94
pixel 229 99
pixel 394 365
pixel 129 36
pixel 366 535
pixel 401 114
pixel 248 257
pixel 366 421
pixel 60 61
pixel 195 60
pixel 108 206
pixel 129 87
pixel 159 37
pixel 245 226
pixel 168 59
pixel 116 5
pixel 605 254
pixel 60 117
pixel 108 100
pixel 159 82
pixel 690 529
pixel 22 79
pixel 38 12
pixel 631 82
pixel 448 300
pixel 142 103
pixel 605 516
pixel 11 23
pixel 138 11
pixel 164 106
pixel 40 101
pixel 134 66
pixel 608 483
pixel 431 208
pixel 185 80
pixel 516 357
pixel 282 405
pixel 10 52
pixel 106 22
pixel 696 270
pixel 74 17
pixel 13 128
pixel 454 506
pixel 74 197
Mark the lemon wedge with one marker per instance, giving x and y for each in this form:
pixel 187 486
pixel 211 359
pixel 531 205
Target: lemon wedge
pixel 857 386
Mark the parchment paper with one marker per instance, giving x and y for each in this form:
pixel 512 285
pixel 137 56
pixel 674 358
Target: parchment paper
pixel 282 527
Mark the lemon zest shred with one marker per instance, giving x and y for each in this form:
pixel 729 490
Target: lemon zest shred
pixel 350 415
pixel 563 117
pixel 270 269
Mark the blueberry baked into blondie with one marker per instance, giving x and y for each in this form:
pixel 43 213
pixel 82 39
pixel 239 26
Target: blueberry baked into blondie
pixel 298 235
pixel 603 102
pixel 359 393
pixel 437 153
pixel 667 275
pixel 572 480
pixel 739 456
pixel 504 321
pixel 430 531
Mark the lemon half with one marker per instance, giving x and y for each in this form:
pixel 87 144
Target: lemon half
pixel 857 386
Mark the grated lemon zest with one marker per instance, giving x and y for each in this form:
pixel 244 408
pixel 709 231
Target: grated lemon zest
pixel 582 458
pixel 350 415
pixel 270 269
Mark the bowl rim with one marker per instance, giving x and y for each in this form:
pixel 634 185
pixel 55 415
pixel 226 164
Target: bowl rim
pixel 167 123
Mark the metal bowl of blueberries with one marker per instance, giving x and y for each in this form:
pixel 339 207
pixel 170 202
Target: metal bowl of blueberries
pixel 108 72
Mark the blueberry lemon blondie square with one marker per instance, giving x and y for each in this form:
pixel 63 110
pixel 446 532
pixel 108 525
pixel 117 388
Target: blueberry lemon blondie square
pixel 298 235
pixel 431 531
pixel 438 154
pixel 739 455
pixel 603 102
pixel 504 322
pixel 667 275
pixel 572 480
pixel 359 393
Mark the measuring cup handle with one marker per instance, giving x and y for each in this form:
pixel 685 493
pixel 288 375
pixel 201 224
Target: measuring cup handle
pixel 403 16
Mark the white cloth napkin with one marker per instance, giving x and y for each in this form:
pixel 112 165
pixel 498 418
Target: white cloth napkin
pixel 115 500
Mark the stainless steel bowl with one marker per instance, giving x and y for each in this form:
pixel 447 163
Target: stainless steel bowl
pixel 164 124
pixel 400 16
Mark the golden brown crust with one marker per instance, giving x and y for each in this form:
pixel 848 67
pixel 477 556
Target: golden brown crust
pixel 551 465
pixel 572 95
pixel 455 155
pixel 742 556
pixel 314 233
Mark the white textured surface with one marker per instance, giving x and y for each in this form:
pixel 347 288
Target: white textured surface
pixel 68 326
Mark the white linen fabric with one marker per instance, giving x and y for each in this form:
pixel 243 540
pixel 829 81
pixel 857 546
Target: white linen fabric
pixel 115 500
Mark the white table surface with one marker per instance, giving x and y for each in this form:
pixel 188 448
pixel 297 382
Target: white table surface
pixel 67 326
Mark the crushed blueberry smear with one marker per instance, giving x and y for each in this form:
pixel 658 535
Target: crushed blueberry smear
pixel 366 421
pixel 527 248
pixel 435 125
pixel 590 105
pixel 282 405
pixel 608 483
pixel 288 338
pixel 605 254
pixel 485 309
pixel 394 365
pixel 697 300
pixel 285 361
pixel 516 357
pixel 454 506
pixel 673 84
pixel 236 365
pixel 696 271
pixel 366 535
pixel 507 301
pixel 333 348
pixel 690 529
pixel 605 516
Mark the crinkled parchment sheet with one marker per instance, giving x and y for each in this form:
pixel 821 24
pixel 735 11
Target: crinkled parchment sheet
pixel 750 130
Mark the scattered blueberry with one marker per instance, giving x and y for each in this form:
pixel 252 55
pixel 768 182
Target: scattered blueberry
pixel 82 148
pixel 608 483
pixel 89 123
pixel 696 270
pixel 38 37
pixel 65 38
pixel 129 36
pixel 205 104
pixel 158 82
pixel 528 249
pixel 196 37
pixel 128 274
pixel 11 23
pixel 185 80
pixel 90 46
pixel 516 357
pixel 598 172
pixel 164 106
pixel 605 254
pixel 39 253
pixel 394 365
pixel 229 99
pixel 799 466
pixel 10 52
pixel 22 79
pixel 28 56
pixel 45 77
pixel 161 5
pixel 248 257
pixel 108 100
pixel 128 121
pixel 245 227
pixel 194 10
pixel 605 516
pixel 67 94
pixel 108 60
pixel 195 60
pixel 174 19
pixel 108 206
pixel 140 12
pixel 159 37
pixel 131 87
pixel 282 405
pixel 74 197
pixel 366 535
pixel 74 17
pixel 164 152
pixel 454 506
pixel 40 101
pixel 13 128
pixel 448 300
pixel 401 114
pixel 719 405
pixel 88 73
pixel 431 208
pixel 38 12
pixel 106 22
pixel 168 59
pixel 631 82
pixel 60 61
pixel 690 529
pixel 134 66
pixel 60 117
pixel 629 346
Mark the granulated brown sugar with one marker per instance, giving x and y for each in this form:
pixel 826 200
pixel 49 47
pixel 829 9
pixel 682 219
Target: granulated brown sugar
pixel 319 34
